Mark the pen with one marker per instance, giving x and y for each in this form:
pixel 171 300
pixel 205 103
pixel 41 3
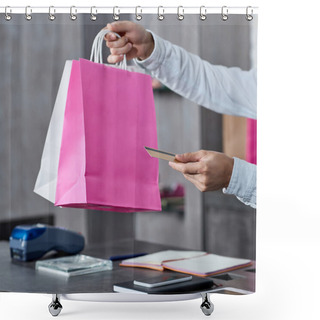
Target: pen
pixel 126 256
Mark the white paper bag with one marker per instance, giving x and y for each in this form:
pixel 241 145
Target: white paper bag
pixel 47 177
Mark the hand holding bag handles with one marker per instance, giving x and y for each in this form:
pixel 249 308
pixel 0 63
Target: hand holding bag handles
pixel 96 51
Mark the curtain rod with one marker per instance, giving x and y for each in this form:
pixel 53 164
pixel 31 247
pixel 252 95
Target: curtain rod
pixel 138 10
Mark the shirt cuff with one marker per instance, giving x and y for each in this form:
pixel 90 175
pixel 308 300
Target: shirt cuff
pixel 243 182
pixel 154 61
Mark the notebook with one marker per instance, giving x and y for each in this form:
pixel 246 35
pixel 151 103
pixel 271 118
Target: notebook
pixel 155 260
pixel 197 263
pixel 207 265
pixel 194 285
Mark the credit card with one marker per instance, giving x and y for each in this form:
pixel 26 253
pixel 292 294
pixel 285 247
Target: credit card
pixel 161 154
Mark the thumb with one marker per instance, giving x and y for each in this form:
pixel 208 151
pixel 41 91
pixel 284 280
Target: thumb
pixel 190 156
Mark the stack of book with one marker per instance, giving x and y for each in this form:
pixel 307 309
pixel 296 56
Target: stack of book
pixel 199 264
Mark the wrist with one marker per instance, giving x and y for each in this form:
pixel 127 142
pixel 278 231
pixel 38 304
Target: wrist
pixel 148 47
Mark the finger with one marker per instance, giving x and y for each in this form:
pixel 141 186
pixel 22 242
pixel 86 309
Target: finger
pixel 186 168
pixel 117 43
pixel 110 37
pixel 122 50
pixel 115 58
pixel 194 181
pixel 191 178
pixel 120 26
pixel 190 156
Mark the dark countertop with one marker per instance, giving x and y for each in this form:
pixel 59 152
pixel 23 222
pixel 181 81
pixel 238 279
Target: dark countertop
pixel 16 276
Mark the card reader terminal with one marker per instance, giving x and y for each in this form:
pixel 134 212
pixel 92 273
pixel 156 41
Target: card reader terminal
pixel 30 242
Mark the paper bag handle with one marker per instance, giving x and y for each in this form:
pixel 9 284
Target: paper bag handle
pixel 96 51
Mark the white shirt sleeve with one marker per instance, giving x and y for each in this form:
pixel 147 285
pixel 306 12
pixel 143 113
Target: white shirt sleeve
pixel 219 88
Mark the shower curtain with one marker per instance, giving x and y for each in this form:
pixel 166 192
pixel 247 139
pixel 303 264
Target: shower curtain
pixel 32 57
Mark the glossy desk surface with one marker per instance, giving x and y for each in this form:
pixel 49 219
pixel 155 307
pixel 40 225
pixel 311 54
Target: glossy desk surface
pixel 16 276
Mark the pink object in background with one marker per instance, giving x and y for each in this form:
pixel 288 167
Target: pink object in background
pixel 251 145
pixel 109 118
pixel 173 191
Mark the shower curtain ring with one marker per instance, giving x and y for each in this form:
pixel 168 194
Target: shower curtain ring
pixel 116 15
pixel 138 16
pixel 93 16
pixel 203 13
pixel 249 16
pixel 160 15
pixel 180 13
pixel 224 13
pixel 28 13
pixel 52 11
pixel 73 13
pixel 7 15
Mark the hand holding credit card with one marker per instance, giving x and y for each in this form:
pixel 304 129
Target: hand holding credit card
pixel 161 154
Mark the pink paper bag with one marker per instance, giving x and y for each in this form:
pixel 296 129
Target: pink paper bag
pixel 109 118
